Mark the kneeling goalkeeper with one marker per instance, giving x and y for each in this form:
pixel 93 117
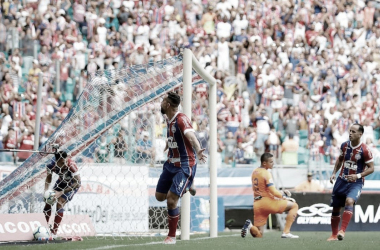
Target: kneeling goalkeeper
pixel 65 187
pixel 268 200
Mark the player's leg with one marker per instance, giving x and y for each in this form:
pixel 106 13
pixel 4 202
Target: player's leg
pixel 337 201
pixel 335 220
pixel 58 214
pixel 47 212
pixel 60 209
pixel 255 231
pixel 47 208
pixel 181 183
pixel 262 208
pixel 173 213
pixel 353 195
pixel 292 209
pixel 164 183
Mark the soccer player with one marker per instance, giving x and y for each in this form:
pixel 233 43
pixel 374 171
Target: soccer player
pixel 179 170
pixel 268 200
pixel 355 162
pixel 65 187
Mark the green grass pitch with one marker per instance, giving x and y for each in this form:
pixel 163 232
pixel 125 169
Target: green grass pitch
pixel 230 241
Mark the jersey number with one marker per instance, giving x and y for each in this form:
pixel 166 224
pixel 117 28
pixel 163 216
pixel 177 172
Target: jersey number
pixel 256 184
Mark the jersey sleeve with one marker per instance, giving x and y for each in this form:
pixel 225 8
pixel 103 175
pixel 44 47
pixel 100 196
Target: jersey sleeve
pixel 184 124
pixel 268 179
pixel 367 155
pixel 73 168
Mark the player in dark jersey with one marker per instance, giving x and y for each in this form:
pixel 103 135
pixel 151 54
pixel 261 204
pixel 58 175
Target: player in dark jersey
pixel 65 187
pixel 355 162
pixel 179 170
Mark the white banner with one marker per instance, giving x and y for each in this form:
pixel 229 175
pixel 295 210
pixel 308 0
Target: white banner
pixel 114 197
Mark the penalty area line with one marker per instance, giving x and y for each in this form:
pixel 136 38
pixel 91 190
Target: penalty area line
pixel 156 243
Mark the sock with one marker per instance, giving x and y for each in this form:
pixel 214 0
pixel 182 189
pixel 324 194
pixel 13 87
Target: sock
pixel 47 212
pixel 347 214
pixel 292 214
pixel 57 220
pixel 173 217
pixel 335 219
pixel 255 232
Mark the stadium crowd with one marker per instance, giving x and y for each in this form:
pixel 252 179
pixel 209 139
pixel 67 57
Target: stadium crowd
pixel 292 75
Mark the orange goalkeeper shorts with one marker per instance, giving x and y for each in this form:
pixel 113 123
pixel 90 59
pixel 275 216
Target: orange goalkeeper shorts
pixel 265 206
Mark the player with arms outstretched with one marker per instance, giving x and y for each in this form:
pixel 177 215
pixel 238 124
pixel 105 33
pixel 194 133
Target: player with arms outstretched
pixel 268 200
pixel 355 162
pixel 65 187
pixel 179 170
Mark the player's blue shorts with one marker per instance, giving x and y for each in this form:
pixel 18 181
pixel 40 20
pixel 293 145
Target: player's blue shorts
pixel 68 196
pixel 343 189
pixel 176 179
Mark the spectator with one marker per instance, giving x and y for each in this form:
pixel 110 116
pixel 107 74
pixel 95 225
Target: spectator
pixel 309 185
pixel 263 129
pixel 102 152
pixel 290 56
pixel 144 149
pixel 333 151
pixel 289 149
pixel 120 147
pixel 26 142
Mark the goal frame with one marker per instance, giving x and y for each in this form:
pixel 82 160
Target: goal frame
pixel 190 63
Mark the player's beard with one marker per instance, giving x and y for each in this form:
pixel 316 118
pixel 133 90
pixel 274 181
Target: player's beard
pixel 162 110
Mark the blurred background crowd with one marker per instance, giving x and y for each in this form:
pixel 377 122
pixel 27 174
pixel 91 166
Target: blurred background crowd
pixel 292 75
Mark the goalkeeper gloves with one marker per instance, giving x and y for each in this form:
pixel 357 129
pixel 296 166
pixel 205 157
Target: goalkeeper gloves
pixel 286 193
pixel 290 199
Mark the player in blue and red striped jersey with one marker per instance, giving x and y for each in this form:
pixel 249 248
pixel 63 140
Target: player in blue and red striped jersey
pixel 65 187
pixel 355 162
pixel 179 170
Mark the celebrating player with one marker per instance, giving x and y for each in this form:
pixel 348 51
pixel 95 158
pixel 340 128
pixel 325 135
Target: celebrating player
pixel 65 188
pixel 268 200
pixel 179 170
pixel 355 162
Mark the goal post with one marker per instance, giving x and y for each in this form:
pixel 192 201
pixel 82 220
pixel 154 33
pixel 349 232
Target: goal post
pixel 103 134
pixel 189 63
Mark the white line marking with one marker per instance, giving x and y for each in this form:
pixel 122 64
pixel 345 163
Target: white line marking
pixel 155 243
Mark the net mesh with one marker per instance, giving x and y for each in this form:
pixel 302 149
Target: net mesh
pixel 115 137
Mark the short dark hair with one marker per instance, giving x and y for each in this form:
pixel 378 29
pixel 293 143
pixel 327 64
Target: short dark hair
pixel 291 136
pixel 60 154
pixel 174 99
pixel 265 157
pixel 361 128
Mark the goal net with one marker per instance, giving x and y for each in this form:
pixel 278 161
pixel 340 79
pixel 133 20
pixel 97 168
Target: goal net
pixel 116 136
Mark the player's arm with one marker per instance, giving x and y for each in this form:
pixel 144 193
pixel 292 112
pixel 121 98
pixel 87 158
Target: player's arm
pixel 49 175
pixel 370 167
pixel 273 190
pixel 48 180
pixel 190 135
pixel 184 125
pixel 338 163
pixel 369 170
pixel 337 166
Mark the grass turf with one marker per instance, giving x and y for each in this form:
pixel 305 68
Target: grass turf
pixel 230 241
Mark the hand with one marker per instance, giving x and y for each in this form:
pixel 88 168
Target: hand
pixel 290 199
pixel 58 194
pixel 352 177
pixel 201 156
pixel 287 193
pixel 332 178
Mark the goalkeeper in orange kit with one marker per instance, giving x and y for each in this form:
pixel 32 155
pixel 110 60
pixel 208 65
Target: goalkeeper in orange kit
pixel 268 200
